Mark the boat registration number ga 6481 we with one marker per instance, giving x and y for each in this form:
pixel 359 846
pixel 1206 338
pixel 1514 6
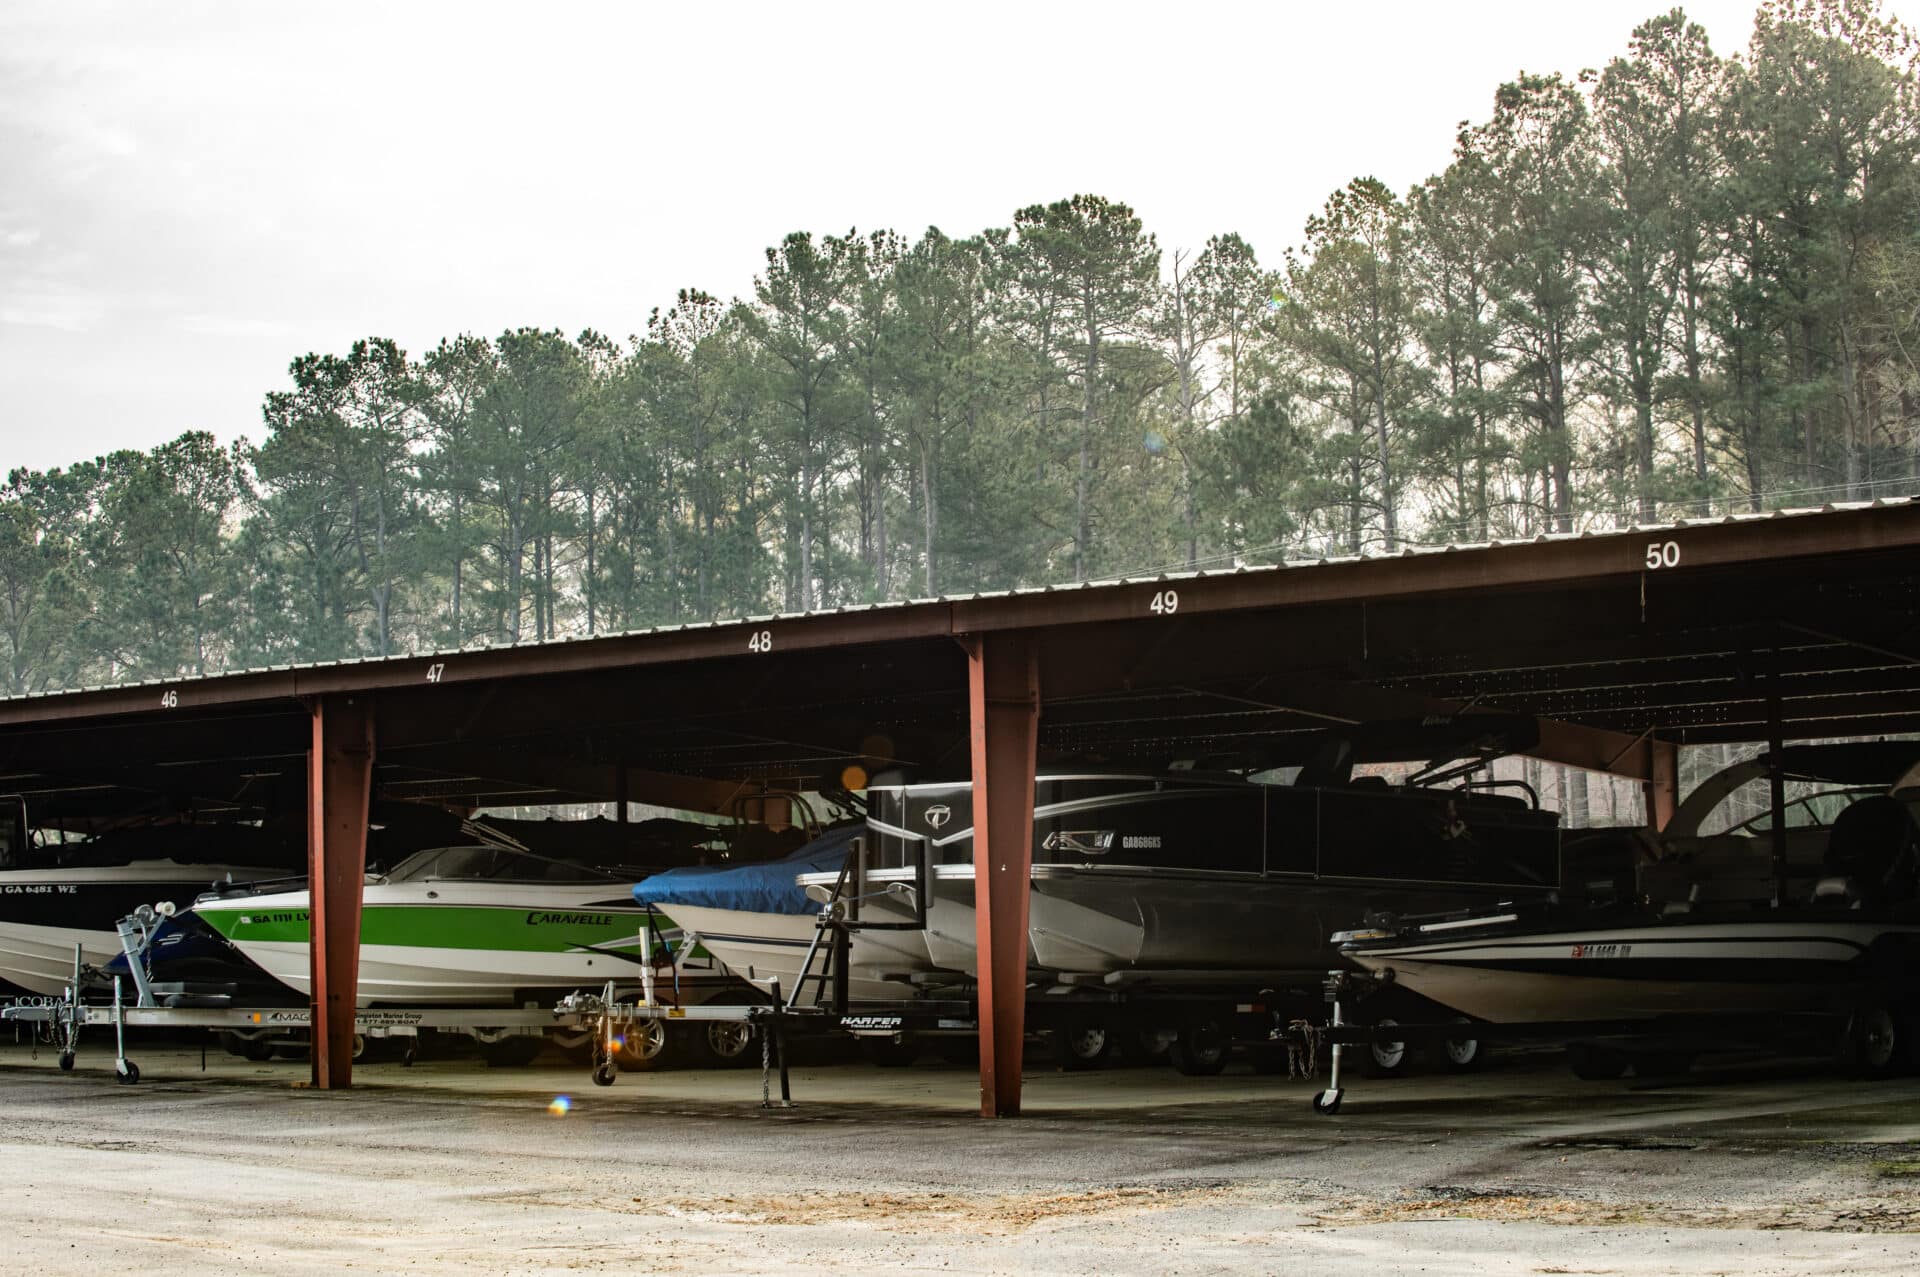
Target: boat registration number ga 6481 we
pixel 1602 950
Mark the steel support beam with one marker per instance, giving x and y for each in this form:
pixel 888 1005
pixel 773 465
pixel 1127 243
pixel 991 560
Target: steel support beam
pixel 1003 696
pixel 1662 788
pixel 340 784
pixel 1776 779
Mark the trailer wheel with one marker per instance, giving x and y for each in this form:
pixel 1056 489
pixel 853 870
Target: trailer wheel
pixel 1386 1059
pixel 1202 1048
pixel 1462 1055
pixel 1150 1044
pixel 645 1045
pixel 1595 1063
pixel 724 1044
pixel 1873 1042
pixel 1081 1042
pixel 1326 1103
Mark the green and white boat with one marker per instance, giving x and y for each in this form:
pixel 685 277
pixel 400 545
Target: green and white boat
pixel 465 926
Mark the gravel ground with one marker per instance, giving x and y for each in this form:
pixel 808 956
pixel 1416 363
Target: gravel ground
pixel 449 1167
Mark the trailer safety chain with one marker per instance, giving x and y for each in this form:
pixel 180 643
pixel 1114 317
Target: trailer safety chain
pixel 766 1068
pixel 1304 1040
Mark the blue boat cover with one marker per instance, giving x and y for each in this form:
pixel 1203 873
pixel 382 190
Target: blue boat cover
pixel 763 888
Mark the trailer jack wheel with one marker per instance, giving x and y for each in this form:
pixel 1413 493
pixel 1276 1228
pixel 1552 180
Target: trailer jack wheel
pixel 603 1073
pixel 1326 1103
pixel 66 1061
pixel 128 1073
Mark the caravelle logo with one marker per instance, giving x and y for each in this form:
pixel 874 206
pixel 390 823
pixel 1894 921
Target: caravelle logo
pixel 536 919
pixel 937 815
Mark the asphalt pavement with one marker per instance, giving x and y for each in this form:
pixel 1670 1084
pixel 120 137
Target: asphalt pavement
pixel 449 1166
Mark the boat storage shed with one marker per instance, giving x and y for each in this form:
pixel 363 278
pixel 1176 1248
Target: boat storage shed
pixel 1625 645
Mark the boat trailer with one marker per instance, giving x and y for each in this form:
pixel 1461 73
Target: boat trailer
pixel 160 1004
pixel 1597 1049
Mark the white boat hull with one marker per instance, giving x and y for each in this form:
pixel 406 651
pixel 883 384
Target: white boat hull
pixel 411 975
pixel 452 942
pixel 40 959
pixel 1641 973
pixel 763 947
pixel 1096 920
pixel 44 913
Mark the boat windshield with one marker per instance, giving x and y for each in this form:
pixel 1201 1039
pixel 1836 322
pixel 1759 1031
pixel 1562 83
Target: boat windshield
pixel 494 864
pixel 1749 809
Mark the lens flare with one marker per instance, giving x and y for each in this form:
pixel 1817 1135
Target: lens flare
pixel 854 777
pixel 561 1106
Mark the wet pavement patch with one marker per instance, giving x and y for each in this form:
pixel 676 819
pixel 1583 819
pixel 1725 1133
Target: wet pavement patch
pixel 1621 1143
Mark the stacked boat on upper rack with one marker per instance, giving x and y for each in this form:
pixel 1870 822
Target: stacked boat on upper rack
pixel 1173 878
pixel 1721 923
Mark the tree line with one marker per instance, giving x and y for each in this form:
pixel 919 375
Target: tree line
pixel 1681 283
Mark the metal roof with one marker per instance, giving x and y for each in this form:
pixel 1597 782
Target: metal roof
pixel 1821 607
pixel 1630 533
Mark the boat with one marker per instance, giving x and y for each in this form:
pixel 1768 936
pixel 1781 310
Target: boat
pixel 188 963
pixel 1713 930
pixel 1510 967
pixel 55 896
pixel 1176 877
pixel 485 924
pixel 762 925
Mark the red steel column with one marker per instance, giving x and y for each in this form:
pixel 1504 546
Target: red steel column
pixel 1663 784
pixel 339 785
pixel 1003 696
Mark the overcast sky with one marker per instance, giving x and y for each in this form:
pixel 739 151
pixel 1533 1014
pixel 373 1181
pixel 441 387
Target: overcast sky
pixel 193 194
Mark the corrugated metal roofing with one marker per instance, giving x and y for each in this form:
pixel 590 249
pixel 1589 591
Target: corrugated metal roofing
pixel 1067 588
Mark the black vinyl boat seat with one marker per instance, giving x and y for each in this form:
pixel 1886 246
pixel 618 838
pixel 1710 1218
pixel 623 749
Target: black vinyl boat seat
pixel 1870 855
